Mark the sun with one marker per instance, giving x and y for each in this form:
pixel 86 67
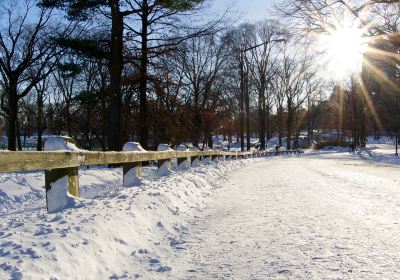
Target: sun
pixel 342 51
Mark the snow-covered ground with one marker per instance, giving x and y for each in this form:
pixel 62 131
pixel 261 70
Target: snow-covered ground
pixel 327 216
pixel 321 215
pixel 380 151
pixel 111 232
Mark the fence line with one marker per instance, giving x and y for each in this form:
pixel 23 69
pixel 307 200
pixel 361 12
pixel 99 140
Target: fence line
pixel 61 167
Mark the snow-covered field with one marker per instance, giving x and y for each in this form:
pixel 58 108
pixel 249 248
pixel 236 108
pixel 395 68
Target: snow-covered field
pixel 111 232
pixel 322 215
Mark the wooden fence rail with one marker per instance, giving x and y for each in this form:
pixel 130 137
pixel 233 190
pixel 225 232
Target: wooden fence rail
pixel 33 160
pixel 61 167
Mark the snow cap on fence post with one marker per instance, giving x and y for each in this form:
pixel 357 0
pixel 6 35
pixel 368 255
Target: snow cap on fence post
pixel 164 165
pixel 194 160
pixel 132 170
pixel 60 181
pixel 182 162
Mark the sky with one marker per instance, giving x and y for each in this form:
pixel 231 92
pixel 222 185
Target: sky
pixel 253 10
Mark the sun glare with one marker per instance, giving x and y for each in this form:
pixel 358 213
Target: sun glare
pixel 342 52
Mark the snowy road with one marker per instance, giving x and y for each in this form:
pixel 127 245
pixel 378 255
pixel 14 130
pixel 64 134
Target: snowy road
pixel 334 216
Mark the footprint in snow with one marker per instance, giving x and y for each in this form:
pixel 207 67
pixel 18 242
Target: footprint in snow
pixel 160 225
pixel 154 261
pixel 120 241
pixel 154 193
pixel 173 241
pixel 162 269
pixel 116 277
pixel 140 251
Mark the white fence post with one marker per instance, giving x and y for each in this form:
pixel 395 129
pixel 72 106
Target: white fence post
pixel 60 181
pixel 132 170
pixel 194 161
pixel 181 162
pixel 164 165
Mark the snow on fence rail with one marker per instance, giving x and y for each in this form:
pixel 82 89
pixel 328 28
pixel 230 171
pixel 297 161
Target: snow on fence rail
pixel 61 167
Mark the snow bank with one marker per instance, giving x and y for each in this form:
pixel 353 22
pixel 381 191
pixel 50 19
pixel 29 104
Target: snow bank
pixel 111 232
pixel 379 153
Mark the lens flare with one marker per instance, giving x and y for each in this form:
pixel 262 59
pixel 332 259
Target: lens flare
pixel 342 52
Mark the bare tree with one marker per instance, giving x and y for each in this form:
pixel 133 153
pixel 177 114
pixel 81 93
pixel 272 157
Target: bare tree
pixel 27 54
pixel 202 62
pixel 264 59
pixel 298 81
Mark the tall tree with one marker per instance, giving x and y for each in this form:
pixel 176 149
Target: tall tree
pixel 27 54
pixel 202 61
pixel 147 26
pixel 264 59
pixel 298 82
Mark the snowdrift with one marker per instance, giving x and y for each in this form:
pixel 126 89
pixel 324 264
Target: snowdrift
pixel 109 232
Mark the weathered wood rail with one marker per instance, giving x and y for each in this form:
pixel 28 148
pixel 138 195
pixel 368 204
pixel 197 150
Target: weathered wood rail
pixel 61 167
pixel 33 160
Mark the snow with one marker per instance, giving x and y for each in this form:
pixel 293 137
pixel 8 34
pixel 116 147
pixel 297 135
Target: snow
pixel 181 148
pixel 59 143
pixel 320 215
pixel 133 147
pixel 183 165
pixel 131 178
pixel 379 151
pixel 110 232
pixel 163 148
pixel 164 169
pixel 57 195
pixel 327 216
pixel 196 161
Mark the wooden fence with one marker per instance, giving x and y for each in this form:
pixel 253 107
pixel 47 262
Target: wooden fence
pixel 61 167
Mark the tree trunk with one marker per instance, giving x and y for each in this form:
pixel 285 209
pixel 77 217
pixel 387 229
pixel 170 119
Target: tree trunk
pixel 197 123
pixel 12 117
pixel 143 130
pixel 18 127
pixel 241 104
pixel 280 111
pixel 268 122
pixel 39 144
pixel 39 125
pixel 115 67
pixel 247 100
pixel 289 125
pixel 260 126
pixel 261 116
pixel 68 115
pixel 209 140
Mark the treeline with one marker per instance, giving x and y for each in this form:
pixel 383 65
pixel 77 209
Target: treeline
pixel 106 72
pixel 111 71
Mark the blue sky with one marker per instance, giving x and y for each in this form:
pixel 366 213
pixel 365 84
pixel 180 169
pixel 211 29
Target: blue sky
pixel 253 9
